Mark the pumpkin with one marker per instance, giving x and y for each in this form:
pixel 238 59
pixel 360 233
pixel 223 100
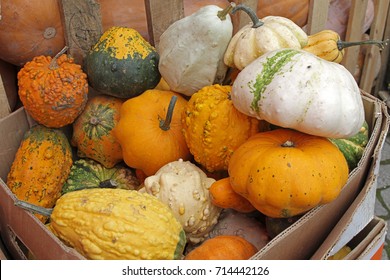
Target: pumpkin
pixel 254 40
pixel 42 164
pixel 87 173
pixel 353 147
pixel 213 128
pixel 115 224
pixel 92 130
pixel 122 63
pixel 54 91
pixel 327 45
pixel 223 195
pixel 150 130
pixel 223 247
pixel 192 48
pixel 184 187
pixel 284 173
pixel 295 89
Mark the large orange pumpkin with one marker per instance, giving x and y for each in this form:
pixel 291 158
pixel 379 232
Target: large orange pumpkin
pixel 284 173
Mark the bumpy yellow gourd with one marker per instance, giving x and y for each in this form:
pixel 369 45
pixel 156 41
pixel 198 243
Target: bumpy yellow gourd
pixel 117 224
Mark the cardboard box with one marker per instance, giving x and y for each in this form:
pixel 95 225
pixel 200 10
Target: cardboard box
pixel 27 238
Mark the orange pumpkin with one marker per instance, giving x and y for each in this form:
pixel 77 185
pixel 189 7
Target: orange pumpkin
pixel 284 173
pixel 223 247
pixel 150 130
pixel 54 91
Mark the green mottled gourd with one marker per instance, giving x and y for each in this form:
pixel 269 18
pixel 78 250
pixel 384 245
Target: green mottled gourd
pixel 87 173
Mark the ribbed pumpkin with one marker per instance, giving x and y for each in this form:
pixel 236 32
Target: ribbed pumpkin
pixel 122 63
pixel 92 130
pixel 150 130
pixel 214 128
pixel 42 164
pixel 87 173
pixel 54 91
pixel 284 173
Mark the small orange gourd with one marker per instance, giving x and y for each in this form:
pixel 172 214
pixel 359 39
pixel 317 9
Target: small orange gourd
pixel 284 173
pixel 223 247
pixel 150 131
pixel 54 91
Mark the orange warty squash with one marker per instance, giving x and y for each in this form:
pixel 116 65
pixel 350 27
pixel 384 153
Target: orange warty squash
pixel 53 91
pixel 92 131
pixel 223 247
pixel 150 130
pixel 284 173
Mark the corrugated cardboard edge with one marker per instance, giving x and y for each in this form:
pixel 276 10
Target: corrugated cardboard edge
pixel 362 209
pixel 304 237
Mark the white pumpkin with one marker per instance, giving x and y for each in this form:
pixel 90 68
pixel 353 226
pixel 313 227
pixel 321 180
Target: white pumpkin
pixel 259 37
pixel 296 89
pixel 184 187
pixel 191 50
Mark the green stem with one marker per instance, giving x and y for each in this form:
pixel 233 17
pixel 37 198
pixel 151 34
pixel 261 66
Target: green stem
pixel 381 44
pixel 256 21
pixel 34 208
pixel 165 124
pixel 222 14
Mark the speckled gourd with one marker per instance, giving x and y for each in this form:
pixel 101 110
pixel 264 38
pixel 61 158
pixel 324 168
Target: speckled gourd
pixel 184 188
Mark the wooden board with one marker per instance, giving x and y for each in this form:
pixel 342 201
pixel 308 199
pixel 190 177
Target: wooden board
pixel 4 105
pixel 318 15
pixel 82 26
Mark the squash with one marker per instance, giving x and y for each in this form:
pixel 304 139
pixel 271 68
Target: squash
pixel 42 164
pixel 328 45
pixel 295 89
pixel 150 130
pixel 87 173
pixel 54 91
pixel 260 37
pixel 213 128
pixel 184 187
pixel 92 131
pixel 223 195
pixel 223 247
pixel 192 48
pixel 122 63
pixel 284 173
pixel 115 224
pixel 353 147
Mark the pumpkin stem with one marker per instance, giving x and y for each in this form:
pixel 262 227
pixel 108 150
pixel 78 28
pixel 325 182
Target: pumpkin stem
pixel 53 63
pixel 165 124
pixel 34 208
pixel 222 14
pixel 342 44
pixel 108 184
pixel 256 21
pixel 288 144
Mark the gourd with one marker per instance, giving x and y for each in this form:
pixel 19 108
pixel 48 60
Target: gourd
pixel 54 91
pixel 213 128
pixel 295 89
pixel 122 63
pixel 150 130
pixel 223 247
pixel 115 224
pixel 192 49
pixel 184 187
pixel 327 44
pixel 223 195
pixel 87 173
pixel 92 130
pixel 42 164
pixel 275 226
pixel 284 173
pixel 260 37
pixel 353 147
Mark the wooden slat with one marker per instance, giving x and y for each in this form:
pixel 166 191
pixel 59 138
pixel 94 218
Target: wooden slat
pixel 318 15
pixel 4 105
pixel 376 33
pixel 354 32
pixel 160 15
pixel 82 26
